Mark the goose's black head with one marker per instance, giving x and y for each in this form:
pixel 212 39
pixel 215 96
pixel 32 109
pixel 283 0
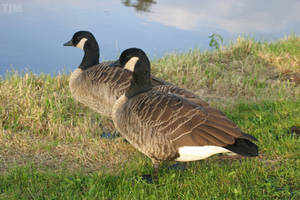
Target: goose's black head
pixel 136 60
pixel 87 42
pixel 82 40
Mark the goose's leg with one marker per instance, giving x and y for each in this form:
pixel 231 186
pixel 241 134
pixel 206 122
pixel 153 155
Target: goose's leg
pixel 154 178
pixel 155 171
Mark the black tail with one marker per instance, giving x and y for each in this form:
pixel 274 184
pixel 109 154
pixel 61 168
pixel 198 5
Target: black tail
pixel 243 147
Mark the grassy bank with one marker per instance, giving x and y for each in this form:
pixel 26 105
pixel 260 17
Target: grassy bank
pixel 51 145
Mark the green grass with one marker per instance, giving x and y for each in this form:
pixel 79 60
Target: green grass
pixel 50 145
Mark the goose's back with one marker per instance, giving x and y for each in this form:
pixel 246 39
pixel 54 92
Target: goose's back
pixel 100 86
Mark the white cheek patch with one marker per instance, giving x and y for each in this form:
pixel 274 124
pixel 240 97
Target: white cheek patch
pixel 80 45
pixel 192 153
pixel 131 63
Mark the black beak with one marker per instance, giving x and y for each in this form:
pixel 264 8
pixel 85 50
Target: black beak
pixel 115 64
pixel 70 43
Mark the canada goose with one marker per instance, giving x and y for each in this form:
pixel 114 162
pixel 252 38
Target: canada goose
pixel 97 86
pixel 166 127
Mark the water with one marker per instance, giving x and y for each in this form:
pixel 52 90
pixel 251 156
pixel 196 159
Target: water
pixel 33 32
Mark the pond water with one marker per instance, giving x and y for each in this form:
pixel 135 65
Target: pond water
pixel 33 31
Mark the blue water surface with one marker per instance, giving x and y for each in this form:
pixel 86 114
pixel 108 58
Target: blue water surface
pixel 33 31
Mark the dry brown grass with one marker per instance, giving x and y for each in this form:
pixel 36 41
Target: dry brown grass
pixel 284 56
pixel 41 124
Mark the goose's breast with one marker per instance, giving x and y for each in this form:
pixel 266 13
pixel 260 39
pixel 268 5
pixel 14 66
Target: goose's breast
pixel 95 96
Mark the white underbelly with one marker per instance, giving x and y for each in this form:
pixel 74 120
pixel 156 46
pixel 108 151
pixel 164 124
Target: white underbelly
pixel 192 153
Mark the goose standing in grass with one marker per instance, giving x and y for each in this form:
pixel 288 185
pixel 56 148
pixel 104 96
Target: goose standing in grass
pixel 95 85
pixel 167 127
pixel 99 85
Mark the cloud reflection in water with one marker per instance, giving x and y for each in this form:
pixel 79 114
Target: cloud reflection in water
pixel 235 16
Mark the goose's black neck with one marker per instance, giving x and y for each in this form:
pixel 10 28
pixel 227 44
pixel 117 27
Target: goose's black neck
pixel 91 55
pixel 141 80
